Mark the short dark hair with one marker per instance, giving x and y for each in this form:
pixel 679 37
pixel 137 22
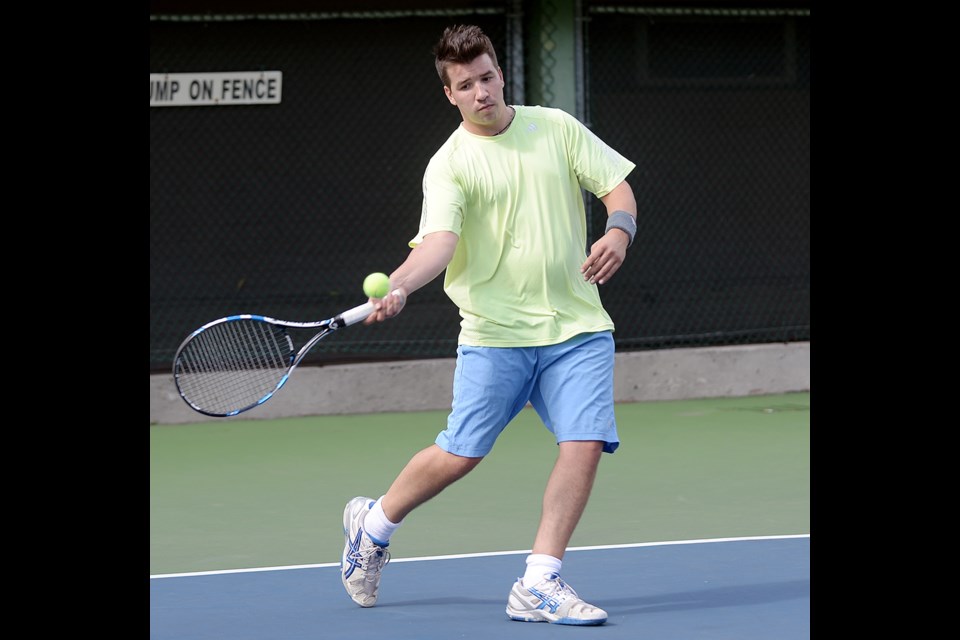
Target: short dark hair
pixel 461 44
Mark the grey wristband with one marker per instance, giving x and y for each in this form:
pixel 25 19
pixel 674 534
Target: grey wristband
pixel 623 221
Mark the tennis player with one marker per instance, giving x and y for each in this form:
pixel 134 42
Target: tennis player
pixel 503 215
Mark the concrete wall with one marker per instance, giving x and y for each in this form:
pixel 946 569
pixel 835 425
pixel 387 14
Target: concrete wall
pixel 424 385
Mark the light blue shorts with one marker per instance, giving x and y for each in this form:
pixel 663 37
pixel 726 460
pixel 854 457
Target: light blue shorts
pixel 570 385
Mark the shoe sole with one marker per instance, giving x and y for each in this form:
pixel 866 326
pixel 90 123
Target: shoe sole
pixel 537 617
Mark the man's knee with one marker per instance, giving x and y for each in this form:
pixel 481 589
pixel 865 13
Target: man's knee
pixel 457 465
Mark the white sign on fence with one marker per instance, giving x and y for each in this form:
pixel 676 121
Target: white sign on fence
pixel 215 89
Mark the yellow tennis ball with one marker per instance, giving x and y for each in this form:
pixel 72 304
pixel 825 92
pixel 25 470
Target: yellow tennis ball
pixel 376 285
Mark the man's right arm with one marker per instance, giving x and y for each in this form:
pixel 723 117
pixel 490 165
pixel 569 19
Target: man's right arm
pixel 424 263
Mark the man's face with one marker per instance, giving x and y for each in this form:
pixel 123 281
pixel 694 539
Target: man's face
pixel 476 89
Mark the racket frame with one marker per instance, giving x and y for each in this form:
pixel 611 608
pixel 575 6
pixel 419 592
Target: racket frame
pixel 344 319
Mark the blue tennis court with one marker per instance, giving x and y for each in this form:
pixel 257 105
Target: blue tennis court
pixel 698 529
pixel 738 589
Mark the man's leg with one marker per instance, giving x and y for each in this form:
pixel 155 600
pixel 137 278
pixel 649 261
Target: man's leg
pixel 574 397
pixel 368 523
pixel 427 474
pixel 542 595
pixel 566 495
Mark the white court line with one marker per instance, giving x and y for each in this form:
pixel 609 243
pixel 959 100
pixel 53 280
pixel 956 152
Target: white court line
pixel 478 555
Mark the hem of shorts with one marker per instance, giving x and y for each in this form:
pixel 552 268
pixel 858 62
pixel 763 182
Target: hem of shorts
pixel 609 446
pixel 463 452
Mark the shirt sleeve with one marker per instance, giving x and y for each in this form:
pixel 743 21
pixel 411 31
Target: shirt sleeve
pixel 598 167
pixel 442 208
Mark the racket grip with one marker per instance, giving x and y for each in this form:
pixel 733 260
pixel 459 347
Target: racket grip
pixel 355 315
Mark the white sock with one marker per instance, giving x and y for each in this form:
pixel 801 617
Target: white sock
pixel 539 564
pixel 378 526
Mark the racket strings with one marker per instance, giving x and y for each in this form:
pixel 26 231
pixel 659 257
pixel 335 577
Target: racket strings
pixel 233 365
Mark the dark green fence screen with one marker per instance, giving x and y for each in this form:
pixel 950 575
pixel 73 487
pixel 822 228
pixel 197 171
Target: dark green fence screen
pixel 282 209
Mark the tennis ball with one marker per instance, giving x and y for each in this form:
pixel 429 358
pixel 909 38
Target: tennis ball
pixel 376 285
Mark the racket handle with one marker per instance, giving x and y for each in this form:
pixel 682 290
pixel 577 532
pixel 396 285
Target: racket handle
pixel 355 315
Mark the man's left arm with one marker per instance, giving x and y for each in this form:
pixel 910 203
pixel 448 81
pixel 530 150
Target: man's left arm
pixel 608 253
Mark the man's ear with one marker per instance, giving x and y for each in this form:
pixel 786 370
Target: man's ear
pixel 449 94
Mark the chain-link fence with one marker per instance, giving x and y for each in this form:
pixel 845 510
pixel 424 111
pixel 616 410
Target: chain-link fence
pixel 282 209
pixel 714 107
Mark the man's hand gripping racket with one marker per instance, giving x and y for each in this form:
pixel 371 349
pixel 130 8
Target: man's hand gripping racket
pixel 239 362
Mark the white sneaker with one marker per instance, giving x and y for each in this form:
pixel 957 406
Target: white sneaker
pixel 551 600
pixel 362 559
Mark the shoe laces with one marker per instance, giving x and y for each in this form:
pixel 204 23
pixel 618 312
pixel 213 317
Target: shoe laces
pixel 553 585
pixel 371 557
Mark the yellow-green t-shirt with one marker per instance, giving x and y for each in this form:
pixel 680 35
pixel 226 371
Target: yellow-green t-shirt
pixel 515 202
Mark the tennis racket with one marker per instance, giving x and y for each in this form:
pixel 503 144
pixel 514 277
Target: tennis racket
pixel 234 364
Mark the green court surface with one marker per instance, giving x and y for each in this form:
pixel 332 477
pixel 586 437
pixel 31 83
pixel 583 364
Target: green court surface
pixel 264 493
